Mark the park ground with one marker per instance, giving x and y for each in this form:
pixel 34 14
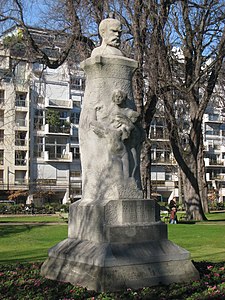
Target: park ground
pixel 25 241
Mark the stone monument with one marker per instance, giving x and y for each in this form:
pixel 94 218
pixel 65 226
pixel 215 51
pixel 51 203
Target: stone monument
pixel 115 238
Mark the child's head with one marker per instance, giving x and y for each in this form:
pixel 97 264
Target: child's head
pixel 119 97
pixel 174 208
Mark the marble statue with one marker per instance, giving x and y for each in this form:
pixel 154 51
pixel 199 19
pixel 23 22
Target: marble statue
pixel 110 31
pixel 116 239
pixel 109 128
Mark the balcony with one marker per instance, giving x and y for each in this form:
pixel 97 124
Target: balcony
pixel 21 123
pixel 59 157
pixel 21 103
pixel 213 162
pixel 62 130
pixel 158 136
pixel 20 162
pixel 214 118
pixel 162 160
pixel 21 181
pixel 21 142
pixel 66 104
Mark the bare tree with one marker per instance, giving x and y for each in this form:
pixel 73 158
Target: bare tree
pixel 191 77
pixel 184 80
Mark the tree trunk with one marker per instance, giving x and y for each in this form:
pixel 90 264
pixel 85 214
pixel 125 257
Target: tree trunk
pixel 203 190
pixel 192 192
pixel 145 169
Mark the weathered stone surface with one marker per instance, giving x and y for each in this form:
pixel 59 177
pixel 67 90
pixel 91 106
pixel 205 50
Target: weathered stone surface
pixel 116 239
pixel 129 219
pixel 109 131
pixel 116 266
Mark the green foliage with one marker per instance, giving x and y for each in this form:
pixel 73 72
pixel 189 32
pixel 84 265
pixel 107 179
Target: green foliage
pixel 52 208
pixel 12 40
pixel 53 117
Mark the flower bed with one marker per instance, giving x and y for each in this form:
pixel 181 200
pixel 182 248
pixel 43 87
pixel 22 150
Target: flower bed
pixel 23 281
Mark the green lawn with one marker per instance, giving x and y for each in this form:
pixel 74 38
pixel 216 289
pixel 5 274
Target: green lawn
pixel 31 219
pixel 204 240
pixel 28 242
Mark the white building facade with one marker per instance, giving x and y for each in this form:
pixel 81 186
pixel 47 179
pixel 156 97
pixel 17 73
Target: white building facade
pixel 39 117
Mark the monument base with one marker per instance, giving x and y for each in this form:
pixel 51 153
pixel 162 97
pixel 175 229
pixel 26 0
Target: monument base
pixel 117 244
pixel 117 266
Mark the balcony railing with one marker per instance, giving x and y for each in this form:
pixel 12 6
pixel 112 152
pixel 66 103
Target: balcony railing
pixel 57 129
pixel 21 122
pixel 163 160
pixel 20 142
pixel 59 157
pixel 216 162
pixel 213 162
pixel 214 118
pixel 158 135
pixel 21 103
pixel 20 181
pixel 59 103
pixel 20 162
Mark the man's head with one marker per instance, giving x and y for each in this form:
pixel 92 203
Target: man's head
pixel 110 30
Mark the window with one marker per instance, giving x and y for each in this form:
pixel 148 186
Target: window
pixel 63 114
pixel 76 104
pixel 1 157
pixel 20 158
pixel 75 174
pixel 77 83
pixel 76 153
pixel 1 176
pixel 38 146
pixel 20 118
pixel 21 99
pixel 20 177
pixel 38 119
pixel 2 96
pixel 75 118
pixel 1 136
pixel 19 71
pixel 1 117
pixel 20 138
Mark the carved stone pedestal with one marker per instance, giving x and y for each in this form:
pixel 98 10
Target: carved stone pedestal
pixel 113 246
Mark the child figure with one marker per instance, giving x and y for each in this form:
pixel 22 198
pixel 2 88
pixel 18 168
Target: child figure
pixel 173 219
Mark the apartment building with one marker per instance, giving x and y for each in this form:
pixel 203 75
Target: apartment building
pixel 214 141
pixel 165 172
pixel 39 116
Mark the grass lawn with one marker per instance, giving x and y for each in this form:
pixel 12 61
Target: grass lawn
pixel 31 219
pixel 26 243
pixel 204 240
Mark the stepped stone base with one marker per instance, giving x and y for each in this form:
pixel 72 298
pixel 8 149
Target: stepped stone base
pixel 112 245
pixel 116 266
